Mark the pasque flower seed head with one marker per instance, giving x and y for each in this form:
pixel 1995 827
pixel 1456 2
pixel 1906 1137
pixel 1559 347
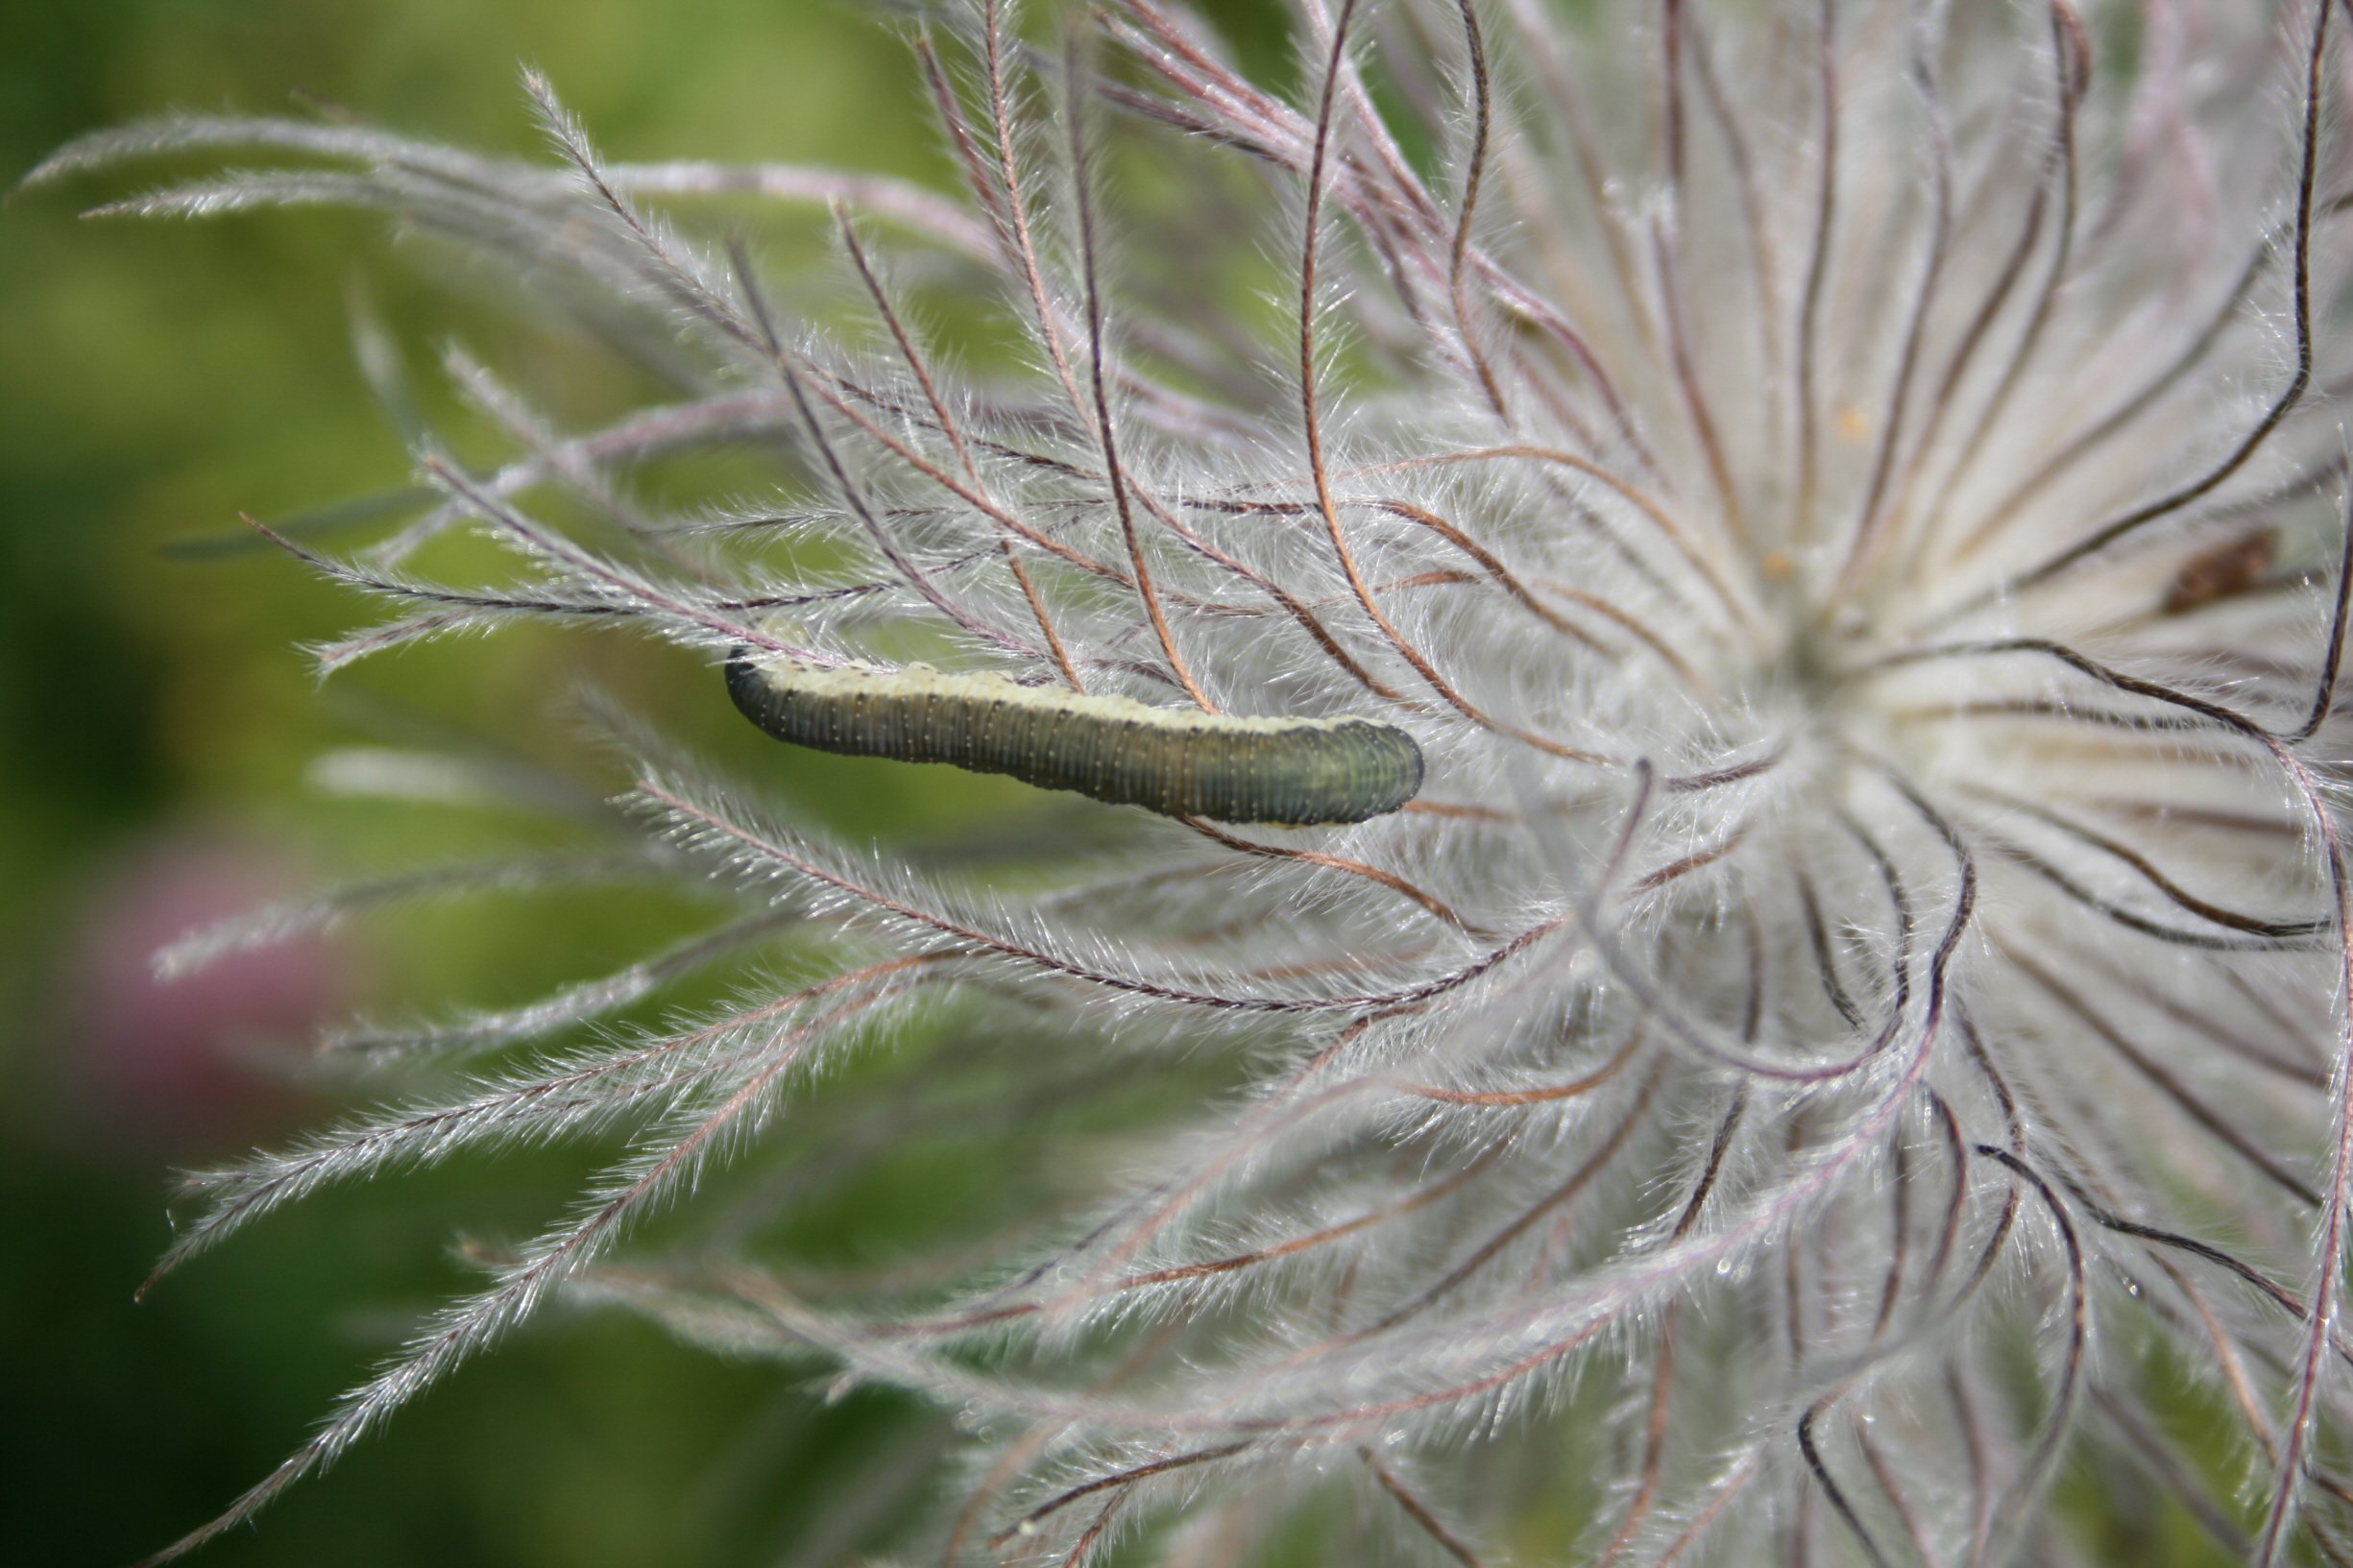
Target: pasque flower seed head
pixel 1847 495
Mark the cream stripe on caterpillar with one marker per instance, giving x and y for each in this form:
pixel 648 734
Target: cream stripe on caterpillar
pixel 1176 761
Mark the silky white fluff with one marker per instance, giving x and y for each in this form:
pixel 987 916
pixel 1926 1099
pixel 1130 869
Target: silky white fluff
pixel 1848 496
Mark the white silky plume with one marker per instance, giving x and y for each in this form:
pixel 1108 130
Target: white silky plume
pixel 1847 494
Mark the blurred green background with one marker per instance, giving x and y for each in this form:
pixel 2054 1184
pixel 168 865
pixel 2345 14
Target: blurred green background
pixel 156 723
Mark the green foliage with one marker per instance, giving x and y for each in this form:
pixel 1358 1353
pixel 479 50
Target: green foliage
pixel 159 381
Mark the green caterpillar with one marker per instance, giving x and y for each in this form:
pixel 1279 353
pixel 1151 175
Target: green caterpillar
pixel 1176 761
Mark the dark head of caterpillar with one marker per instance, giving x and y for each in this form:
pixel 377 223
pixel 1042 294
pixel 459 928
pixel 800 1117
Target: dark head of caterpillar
pixel 1177 763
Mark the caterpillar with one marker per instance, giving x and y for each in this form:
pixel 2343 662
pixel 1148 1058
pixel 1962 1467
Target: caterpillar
pixel 1287 771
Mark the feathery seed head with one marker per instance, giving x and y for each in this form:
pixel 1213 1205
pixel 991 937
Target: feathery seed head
pixel 1846 496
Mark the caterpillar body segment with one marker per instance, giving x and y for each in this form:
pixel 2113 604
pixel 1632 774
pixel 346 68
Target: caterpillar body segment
pixel 1293 772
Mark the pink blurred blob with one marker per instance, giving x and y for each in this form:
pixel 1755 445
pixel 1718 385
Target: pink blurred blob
pixel 180 1067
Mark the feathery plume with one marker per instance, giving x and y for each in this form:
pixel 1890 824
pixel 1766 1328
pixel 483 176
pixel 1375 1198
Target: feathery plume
pixel 1848 499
